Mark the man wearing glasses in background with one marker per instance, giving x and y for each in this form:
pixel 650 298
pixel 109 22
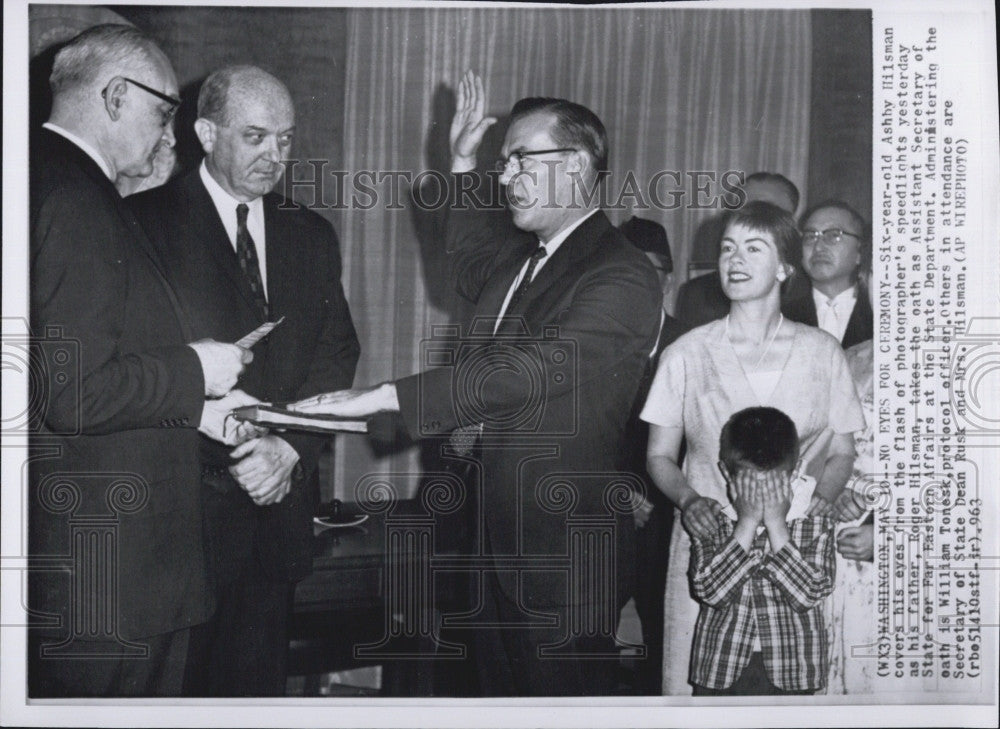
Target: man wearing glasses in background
pixel 834 244
pixel 121 396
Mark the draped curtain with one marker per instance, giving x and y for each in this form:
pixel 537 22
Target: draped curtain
pixel 679 90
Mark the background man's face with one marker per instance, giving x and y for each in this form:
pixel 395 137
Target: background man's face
pixel 666 277
pixel 541 194
pixel 247 152
pixel 827 262
pixel 769 192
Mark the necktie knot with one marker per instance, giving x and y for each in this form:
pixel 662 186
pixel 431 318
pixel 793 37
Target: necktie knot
pixel 529 273
pixel 241 214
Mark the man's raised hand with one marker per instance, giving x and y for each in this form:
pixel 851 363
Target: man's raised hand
pixel 468 125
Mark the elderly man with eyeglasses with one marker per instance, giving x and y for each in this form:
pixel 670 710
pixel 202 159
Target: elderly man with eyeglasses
pixel 834 246
pixel 122 394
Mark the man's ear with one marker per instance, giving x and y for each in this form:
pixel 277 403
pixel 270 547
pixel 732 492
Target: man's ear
pixel 205 129
pixel 578 162
pixel 114 97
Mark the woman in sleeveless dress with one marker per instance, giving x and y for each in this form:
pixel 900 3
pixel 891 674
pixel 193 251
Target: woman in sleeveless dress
pixel 751 357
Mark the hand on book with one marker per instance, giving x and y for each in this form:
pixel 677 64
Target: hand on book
pixel 356 403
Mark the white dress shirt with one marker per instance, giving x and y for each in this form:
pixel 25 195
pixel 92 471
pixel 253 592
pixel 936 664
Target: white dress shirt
pixel 833 314
pixel 88 149
pixel 225 205
pixel 550 248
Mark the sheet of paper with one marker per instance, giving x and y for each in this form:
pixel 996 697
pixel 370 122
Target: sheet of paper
pixel 259 333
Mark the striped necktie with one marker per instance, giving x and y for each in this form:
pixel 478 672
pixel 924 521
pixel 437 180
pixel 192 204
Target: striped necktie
pixel 246 254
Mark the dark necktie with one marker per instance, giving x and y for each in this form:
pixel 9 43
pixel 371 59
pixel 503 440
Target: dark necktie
pixel 463 438
pixel 522 287
pixel 246 253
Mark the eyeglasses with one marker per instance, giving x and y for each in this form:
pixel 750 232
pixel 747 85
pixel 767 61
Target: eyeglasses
pixel 167 115
pixel 515 160
pixel 830 235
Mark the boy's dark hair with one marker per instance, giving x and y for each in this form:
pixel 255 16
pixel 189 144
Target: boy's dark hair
pixel 759 437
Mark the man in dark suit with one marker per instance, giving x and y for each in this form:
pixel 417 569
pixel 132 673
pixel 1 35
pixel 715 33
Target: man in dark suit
pixel 240 255
pixel 654 515
pixel 701 299
pixel 564 295
pixel 115 475
pixel 835 242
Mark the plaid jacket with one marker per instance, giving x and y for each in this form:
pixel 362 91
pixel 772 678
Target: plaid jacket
pixel 775 596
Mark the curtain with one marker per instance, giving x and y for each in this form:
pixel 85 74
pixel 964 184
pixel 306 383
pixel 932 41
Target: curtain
pixel 682 91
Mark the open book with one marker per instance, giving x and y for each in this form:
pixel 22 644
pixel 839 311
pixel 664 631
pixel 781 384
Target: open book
pixel 279 417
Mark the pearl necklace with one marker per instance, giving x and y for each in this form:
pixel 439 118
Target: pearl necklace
pixel 774 334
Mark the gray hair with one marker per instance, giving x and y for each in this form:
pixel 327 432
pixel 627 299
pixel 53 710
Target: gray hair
pixel 80 63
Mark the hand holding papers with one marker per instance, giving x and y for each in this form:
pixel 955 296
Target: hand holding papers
pixel 221 364
pixel 257 334
pixel 218 424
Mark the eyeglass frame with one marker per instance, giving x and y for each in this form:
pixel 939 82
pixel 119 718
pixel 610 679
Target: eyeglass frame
pixel 503 163
pixel 174 102
pixel 833 235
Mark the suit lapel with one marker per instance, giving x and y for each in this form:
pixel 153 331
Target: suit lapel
pixel 212 233
pixel 142 242
pixel 493 295
pixel 282 274
pixel 859 326
pixel 580 243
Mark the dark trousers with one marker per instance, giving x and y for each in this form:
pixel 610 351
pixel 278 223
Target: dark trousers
pixel 509 662
pixel 159 673
pixel 243 649
pixel 652 553
pixel 753 681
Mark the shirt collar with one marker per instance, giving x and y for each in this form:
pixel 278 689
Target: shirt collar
pixel 224 202
pixel 847 296
pixel 87 148
pixel 559 238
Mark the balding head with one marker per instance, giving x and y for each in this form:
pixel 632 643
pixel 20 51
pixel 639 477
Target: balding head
pixel 241 82
pixel 245 125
